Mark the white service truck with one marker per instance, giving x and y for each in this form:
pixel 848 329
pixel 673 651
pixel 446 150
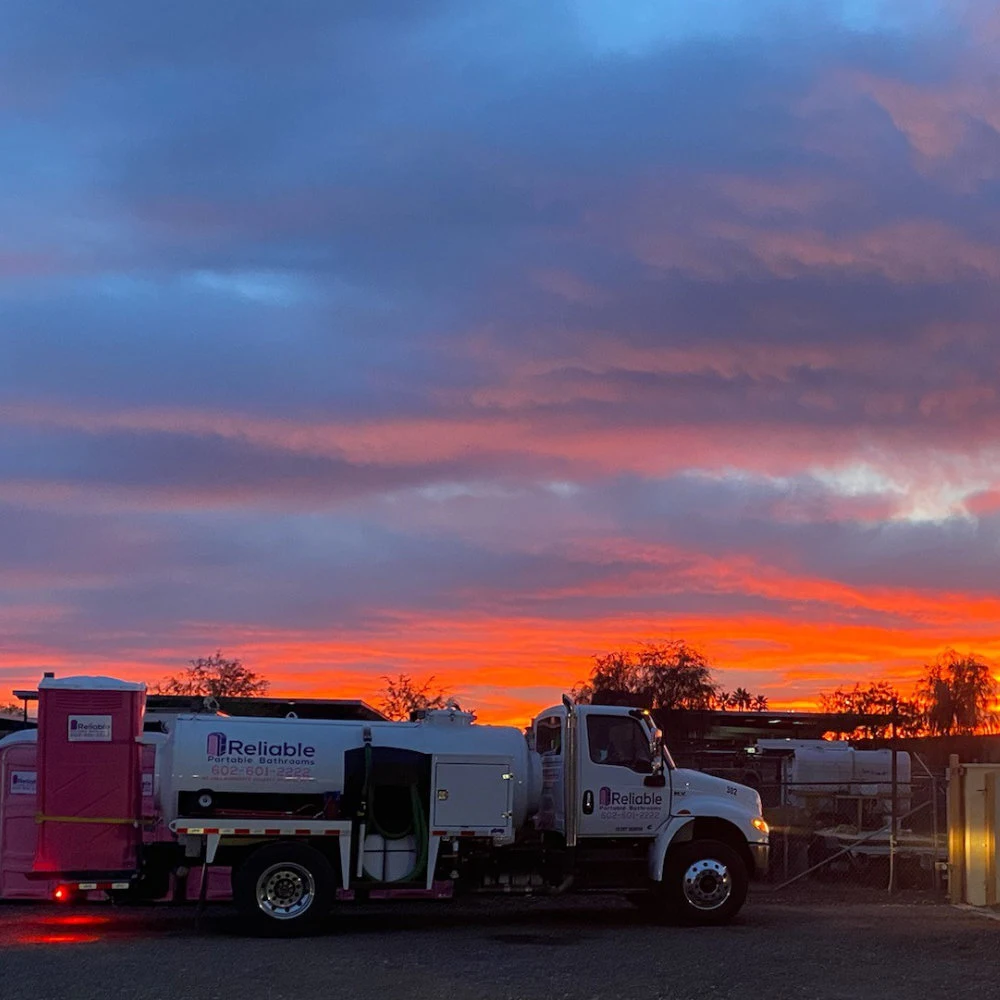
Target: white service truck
pixel 309 814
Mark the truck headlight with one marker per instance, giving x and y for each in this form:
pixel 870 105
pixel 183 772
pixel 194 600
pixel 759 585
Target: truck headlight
pixel 758 824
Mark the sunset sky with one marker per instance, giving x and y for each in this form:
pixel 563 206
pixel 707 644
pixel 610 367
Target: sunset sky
pixel 472 338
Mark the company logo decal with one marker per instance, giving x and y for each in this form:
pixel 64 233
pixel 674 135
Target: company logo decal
pixel 89 729
pixel 220 745
pixel 631 811
pixel 23 783
pixel 631 800
pixel 259 759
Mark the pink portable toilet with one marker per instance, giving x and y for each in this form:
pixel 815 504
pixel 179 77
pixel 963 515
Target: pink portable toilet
pixel 18 829
pixel 89 777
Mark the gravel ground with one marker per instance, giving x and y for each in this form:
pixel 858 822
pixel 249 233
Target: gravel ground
pixel 500 949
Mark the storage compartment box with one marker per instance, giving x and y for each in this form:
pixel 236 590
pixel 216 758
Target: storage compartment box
pixel 473 794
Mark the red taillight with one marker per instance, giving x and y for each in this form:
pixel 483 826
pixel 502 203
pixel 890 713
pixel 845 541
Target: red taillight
pixel 61 894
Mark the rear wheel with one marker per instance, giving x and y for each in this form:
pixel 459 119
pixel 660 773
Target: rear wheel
pixel 284 888
pixel 704 882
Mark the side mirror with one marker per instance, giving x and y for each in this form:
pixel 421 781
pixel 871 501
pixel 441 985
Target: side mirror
pixel 655 780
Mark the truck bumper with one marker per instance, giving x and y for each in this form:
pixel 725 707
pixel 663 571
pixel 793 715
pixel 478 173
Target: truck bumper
pixel 759 853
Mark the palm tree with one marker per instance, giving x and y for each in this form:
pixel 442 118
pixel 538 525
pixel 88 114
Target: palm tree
pixel 741 699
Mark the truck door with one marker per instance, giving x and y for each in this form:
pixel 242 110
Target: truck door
pixel 549 729
pixel 615 762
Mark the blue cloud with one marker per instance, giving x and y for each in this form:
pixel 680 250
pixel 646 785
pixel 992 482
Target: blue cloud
pixel 558 233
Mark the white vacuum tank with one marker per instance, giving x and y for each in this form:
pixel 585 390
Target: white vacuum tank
pixel 301 757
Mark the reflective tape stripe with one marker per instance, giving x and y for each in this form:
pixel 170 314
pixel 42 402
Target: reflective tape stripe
pixel 257 831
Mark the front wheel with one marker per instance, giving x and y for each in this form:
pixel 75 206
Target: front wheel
pixel 704 882
pixel 283 888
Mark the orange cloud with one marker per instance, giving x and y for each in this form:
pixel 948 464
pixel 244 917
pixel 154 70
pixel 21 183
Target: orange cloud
pixel 508 667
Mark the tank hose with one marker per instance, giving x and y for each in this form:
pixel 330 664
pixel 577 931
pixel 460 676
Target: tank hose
pixel 374 824
pixel 420 831
pixel 417 824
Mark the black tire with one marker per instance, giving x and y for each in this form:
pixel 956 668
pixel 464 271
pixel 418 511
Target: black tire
pixel 284 888
pixel 704 882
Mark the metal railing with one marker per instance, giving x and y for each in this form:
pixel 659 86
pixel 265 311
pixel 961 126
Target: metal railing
pixel 867 833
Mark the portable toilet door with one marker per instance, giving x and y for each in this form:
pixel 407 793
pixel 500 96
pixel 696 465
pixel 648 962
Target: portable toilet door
pixel 18 829
pixel 973 825
pixel 89 777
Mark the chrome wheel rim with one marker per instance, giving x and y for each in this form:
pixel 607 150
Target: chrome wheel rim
pixel 285 891
pixel 707 884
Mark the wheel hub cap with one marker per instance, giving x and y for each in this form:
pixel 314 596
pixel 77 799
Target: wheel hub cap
pixel 285 891
pixel 707 884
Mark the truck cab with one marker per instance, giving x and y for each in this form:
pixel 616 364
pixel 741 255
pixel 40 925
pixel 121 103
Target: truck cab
pixel 612 791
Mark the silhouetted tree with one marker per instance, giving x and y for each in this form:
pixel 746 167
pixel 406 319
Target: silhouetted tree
pixel 657 675
pixel 869 710
pixel 401 696
pixel 12 709
pixel 662 675
pixel 215 676
pixel 958 693
pixel 722 700
pixel 741 699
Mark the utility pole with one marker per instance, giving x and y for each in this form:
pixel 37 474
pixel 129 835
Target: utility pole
pixel 894 807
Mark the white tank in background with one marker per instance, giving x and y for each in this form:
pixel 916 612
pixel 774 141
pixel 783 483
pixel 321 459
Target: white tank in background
pixel 822 769
pixel 873 776
pixel 818 772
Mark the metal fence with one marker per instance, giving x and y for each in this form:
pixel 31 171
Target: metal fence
pixel 874 835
